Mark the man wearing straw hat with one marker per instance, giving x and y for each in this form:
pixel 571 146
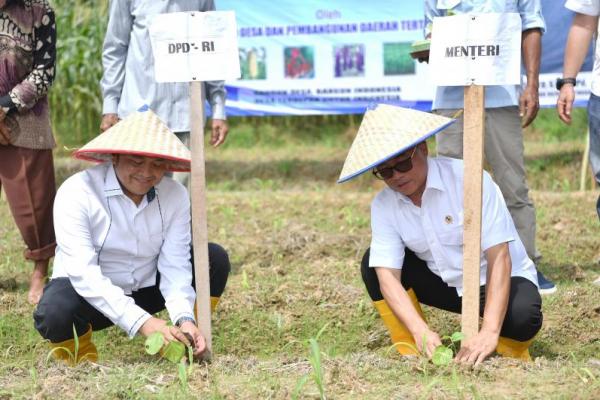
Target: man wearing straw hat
pixel 123 244
pixel 417 241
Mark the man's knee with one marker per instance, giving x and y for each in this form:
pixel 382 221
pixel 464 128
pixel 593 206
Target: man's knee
pixel 220 267
pixel 55 314
pixel 524 316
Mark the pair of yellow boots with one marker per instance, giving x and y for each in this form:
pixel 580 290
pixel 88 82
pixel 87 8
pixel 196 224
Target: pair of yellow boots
pixel 405 344
pixel 73 352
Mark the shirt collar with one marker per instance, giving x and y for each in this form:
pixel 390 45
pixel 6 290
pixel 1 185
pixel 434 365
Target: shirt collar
pixel 434 180
pixel 112 187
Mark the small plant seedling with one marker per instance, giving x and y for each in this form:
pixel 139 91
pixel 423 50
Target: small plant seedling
pixel 443 354
pixel 173 351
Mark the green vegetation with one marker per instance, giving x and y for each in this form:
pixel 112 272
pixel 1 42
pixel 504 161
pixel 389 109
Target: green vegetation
pixel 75 97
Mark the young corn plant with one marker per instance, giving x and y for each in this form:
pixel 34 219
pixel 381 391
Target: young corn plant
pixel 317 373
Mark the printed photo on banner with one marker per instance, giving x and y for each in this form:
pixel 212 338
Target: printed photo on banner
pixel 253 63
pixel 397 60
pixel 299 62
pixel 349 60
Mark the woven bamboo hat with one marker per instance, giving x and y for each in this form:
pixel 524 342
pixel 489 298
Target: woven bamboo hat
pixel 141 133
pixel 385 132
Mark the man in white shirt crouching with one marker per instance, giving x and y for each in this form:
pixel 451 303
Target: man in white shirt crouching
pixel 417 242
pixel 123 244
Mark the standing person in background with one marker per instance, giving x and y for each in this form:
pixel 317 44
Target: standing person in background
pixel 27 59
pixel 507 110
pixel 128 81
pixel 583 29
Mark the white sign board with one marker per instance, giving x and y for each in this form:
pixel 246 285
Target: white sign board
pixel 195 46
pixel 476 49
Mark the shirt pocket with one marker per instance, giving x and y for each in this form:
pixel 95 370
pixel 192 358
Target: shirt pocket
pixel 507 6
pixel 152 246
pixel 452 236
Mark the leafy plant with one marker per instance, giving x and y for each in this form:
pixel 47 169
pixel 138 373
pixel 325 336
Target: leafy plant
pixel 172 351
pixel 443 354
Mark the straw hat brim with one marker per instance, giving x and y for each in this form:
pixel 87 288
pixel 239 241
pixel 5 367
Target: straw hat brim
pixel 385 132
pixel 141 133
pixel 394 154
pixel 103 155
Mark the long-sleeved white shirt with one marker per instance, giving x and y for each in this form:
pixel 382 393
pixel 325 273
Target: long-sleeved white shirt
pixel 128 81
pixel 108 246
pixel 434 231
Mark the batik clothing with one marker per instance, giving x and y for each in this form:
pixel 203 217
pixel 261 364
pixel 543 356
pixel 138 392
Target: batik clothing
pixel 27 56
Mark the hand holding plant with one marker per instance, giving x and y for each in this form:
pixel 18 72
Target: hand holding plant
pixel 427 341
pixel 477 348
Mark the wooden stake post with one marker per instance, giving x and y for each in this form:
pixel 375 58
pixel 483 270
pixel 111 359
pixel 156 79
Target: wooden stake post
pixel 474 51
pixel 473 140
pixel 196 47
pixel 199 216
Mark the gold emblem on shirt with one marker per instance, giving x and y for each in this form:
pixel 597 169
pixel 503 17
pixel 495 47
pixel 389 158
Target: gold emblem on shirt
pixel 448 219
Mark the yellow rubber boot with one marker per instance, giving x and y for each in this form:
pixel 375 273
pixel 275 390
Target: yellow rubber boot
pixel 213 303
pixel 400 335
pixel 514 349
pixel 86 351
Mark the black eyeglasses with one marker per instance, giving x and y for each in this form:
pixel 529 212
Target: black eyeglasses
pixel 401 166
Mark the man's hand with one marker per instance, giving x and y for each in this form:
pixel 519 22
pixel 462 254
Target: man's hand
pixel 476 349
pixel 4 134
pixel 565 102
pixel 108 120
pixel 427 340
pixel 529 105
pixel 219 132
pixel 199 344
pixel 170 333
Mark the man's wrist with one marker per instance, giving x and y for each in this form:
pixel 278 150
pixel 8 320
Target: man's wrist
pixel 184 319
pixel 560 82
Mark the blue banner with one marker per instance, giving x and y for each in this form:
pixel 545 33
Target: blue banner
pixel 341 56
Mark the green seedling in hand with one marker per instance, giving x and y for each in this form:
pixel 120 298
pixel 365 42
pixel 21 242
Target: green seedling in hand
pixel 443 355
pixel 172 351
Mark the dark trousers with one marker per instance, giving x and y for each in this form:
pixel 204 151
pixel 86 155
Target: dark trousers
pixel 523 317
pixel 61 308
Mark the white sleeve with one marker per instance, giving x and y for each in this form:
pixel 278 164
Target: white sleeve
pixel 74 238
pixel 587 7
pixel 496 221
pixel 114 53
pixel 174 262
pixel 387 247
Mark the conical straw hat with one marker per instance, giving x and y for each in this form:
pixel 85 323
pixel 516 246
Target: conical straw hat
pixel 385 132
pixel 141 133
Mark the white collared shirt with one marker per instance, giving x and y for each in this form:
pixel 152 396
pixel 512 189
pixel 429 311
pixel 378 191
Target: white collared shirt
pixel 108 246
pixel 434 231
